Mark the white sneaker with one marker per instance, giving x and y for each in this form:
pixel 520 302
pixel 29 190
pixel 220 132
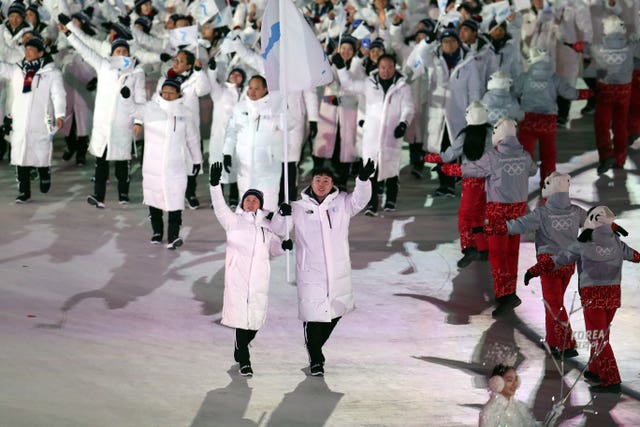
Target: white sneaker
pixel 175 244
pixel 93 201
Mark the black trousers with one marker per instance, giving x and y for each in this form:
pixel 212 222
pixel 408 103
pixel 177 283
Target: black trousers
pixel 234 197
pixel 445 180
pixel 241 346
pixel 316 335
pixel 191 187
pixel 102 174
pixel 564 105
pixel 24 178
pixel 157 223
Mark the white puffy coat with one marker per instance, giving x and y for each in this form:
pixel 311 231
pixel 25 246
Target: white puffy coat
pixel 450 92
pixel 170 144
pixel 195 86
pixel 255 142
pixel 323 264
pixel 384 113
pixel 247 269
pixel 301 105
pixel 34 113
pixel 575 25
pixel 225 97
pixel 345 114
pixel 76 73
pixel 113 121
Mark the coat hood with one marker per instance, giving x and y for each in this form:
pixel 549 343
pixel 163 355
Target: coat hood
pixel 558 201
pixel 541 70
pixel 614 41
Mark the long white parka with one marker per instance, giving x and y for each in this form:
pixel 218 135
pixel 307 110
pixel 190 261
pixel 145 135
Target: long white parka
pixel 255 142
pixel 323 263
pixel 34 113
pixel 250 242
pixel 450 93
pixel 384 113
pixel 113 118
pixel 171 144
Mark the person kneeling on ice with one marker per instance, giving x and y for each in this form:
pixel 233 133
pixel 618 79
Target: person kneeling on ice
pixel 169 136
pixel 556 224
pixel 507 169
pixel 250 243
pixel 599 253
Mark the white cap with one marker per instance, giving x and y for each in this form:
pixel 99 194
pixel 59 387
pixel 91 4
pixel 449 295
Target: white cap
pixel 499 80
pixel 555 183
pixel 612 24
pixel 538 54
pixel 598 216
pixel 476 114
pixel 504 128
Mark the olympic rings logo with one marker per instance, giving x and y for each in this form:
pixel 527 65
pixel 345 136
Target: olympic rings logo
pixel 538 85
pixel 513 169
pixel 562 224
pixel 613 58
pixel 603 252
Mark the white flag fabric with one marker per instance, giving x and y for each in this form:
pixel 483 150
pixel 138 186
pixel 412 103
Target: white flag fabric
pixel 203 10
pixel 303 60
pixel 499 11
pixel 224 18
pixel 183 36
pixel 520 5
pixel 415 61
pixel 362 32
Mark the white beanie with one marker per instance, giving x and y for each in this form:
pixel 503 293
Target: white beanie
pixel 613 24
pixel 504 128
pixel 538 54
pixel 555 183
pixel 476 114
pixel 598 216
pixel 499 80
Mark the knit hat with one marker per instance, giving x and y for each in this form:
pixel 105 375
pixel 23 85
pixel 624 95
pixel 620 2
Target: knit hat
pixel 173 83
pixel 449 32
pixel 379 43
pixel 253 192
pixel 84 17
pixel 350 40
pixel 612 24
pixel 499 80
pixel 476 114
pixel 555 183
pixel 471 24
pixel 145 22
pixel 121 30
pixel 138 4
pixel 503 129
pixel 33 7
pixel 242 72
pixel 17 7
pixel 466 7
pixel 37 42
pixel 119 43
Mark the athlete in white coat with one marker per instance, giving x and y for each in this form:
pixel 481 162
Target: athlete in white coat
pixel 37 109
pixel 225 96
pixel 193 85
pixel 320 220
pixel 390 109
pixel 255 142
pixel 171 145
pixel 112 134
pixel 250 244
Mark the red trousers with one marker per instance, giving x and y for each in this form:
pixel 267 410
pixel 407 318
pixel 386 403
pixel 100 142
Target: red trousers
pixel 600 304
pixel 557 325
pixel 612 112
pixel 503 248
pixel 633 128
pixel 471 214
pixel 541 127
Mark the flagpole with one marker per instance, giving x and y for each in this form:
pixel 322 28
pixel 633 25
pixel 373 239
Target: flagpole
pixel 284 121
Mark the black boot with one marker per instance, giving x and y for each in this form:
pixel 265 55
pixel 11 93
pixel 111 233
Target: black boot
pixel 416 158
pixel 505 304
pixel 157 225
pixel 24 184
pixel 72 146
pixel 81 153
pixel 470 255
pixel 173 230
pixel 3 144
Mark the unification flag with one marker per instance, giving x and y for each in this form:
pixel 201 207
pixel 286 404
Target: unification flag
pixel 183 36
pixel 301 58
pixel 203 10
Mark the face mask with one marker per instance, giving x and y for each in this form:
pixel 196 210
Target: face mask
pixel 122 62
